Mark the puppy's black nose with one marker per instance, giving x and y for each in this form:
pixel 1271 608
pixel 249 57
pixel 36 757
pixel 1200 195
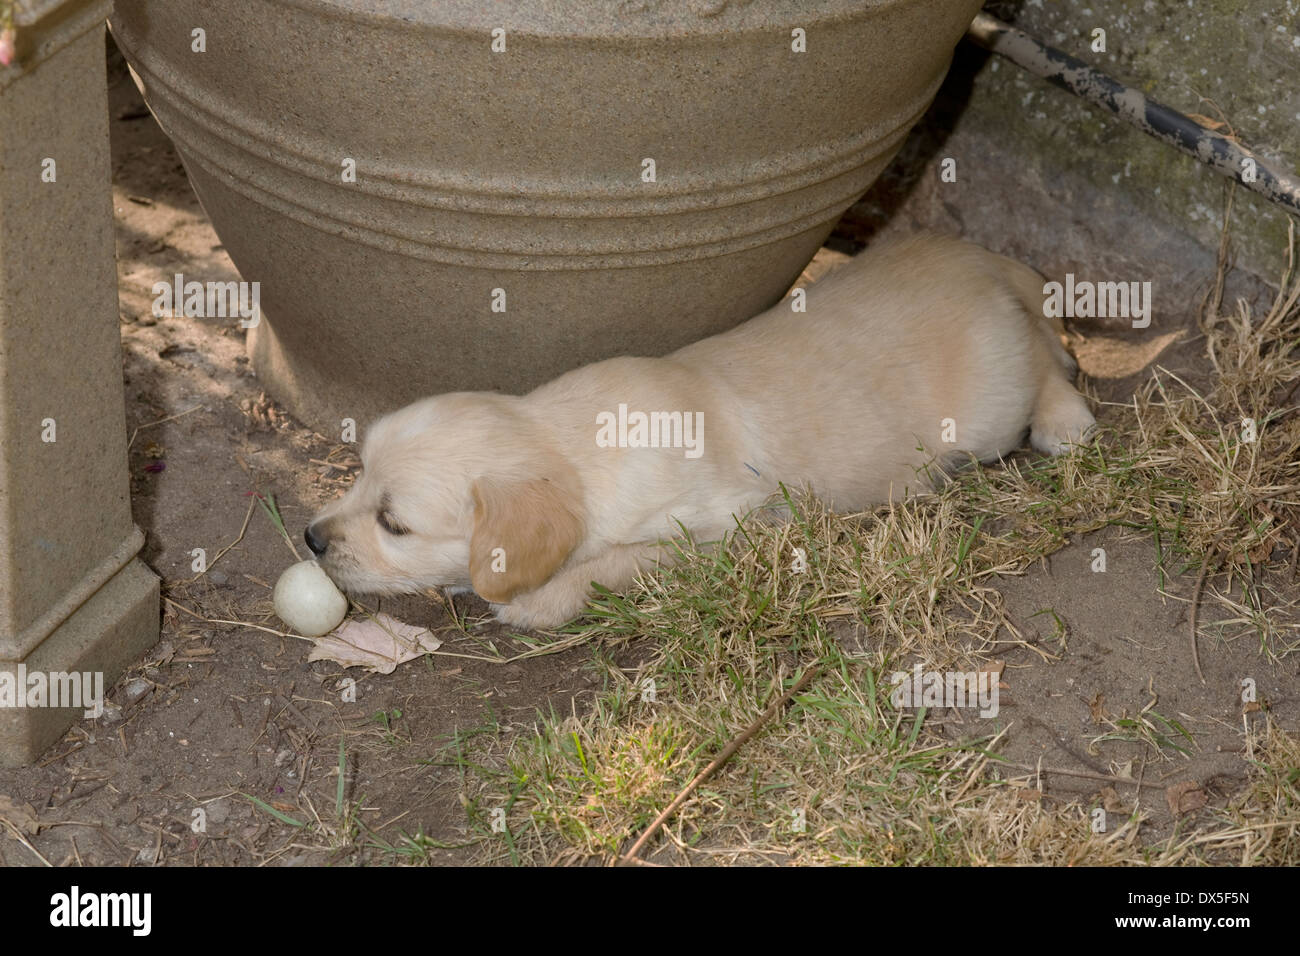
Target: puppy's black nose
pixel 314 540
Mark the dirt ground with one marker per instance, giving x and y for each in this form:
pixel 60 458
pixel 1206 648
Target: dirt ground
pixel 1123 649
pixel 232 720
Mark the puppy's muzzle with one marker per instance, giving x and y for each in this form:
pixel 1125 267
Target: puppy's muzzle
pixel 316 540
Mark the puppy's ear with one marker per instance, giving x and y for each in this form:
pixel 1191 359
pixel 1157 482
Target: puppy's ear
pixel 523 532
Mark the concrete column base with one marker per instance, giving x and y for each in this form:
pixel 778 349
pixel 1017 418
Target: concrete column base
pixel 102 637
pixel 74 597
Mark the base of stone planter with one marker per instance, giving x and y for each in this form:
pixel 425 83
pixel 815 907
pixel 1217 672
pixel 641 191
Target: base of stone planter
pixel 103 636
pixel 370 381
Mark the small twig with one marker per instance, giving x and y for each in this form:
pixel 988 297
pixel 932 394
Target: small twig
pixel 248 517
pixel 628 859
pixel 59 756
pixel 1212 558
pixel 266 720
pixel 330 464
pixel 219 620
pixel 18 835
pixel 161 421
pixel 1108 778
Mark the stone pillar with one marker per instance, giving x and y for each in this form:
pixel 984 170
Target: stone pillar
pixel 73 595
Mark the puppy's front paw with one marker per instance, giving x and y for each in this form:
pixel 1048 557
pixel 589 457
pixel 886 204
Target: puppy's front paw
pixel 548 606
pixel 517 615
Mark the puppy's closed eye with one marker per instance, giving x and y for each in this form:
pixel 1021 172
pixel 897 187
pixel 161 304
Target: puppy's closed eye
pixel 386 519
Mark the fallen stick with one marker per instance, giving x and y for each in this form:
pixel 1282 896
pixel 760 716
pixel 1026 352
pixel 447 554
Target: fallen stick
pixel 629 858
pixel 1085 774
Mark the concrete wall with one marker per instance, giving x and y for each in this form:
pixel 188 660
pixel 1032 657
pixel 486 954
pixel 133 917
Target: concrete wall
pixel 1233 60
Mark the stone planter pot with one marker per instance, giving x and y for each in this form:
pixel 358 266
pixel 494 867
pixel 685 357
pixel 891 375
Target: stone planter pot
pixel 522 171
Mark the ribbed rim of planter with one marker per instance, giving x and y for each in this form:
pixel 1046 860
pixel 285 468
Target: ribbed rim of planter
pixel 536 259
pixel 501 196
pixel 680 221
pixel 613 20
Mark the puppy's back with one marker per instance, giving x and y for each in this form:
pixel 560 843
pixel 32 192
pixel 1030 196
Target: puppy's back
pixel 893 345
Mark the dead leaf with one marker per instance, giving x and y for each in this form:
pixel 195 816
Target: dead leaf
pixel 262 413
pixel 1251 708
pixel 1215 126
pixel 1202 120
pixel 825 261
pixel 1111 801
pixel 1103 357
pixel 1097 707
pixel 1264 550
pixel 378 644
pixel 20 816
pixel 1185 797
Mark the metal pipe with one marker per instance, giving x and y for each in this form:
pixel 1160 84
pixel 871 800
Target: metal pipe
pixel 1219 152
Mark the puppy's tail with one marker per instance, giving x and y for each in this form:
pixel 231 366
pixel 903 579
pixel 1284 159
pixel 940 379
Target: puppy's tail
pixel 1026 285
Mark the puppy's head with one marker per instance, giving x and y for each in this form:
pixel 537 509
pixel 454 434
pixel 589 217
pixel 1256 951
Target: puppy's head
pixel 462 490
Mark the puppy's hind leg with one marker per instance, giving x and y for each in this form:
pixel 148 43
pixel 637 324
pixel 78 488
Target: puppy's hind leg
pixel 1027 286
pixel 1060 415
pixel 1060 418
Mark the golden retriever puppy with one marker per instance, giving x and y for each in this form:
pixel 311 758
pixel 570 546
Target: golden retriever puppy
pixel 908 360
